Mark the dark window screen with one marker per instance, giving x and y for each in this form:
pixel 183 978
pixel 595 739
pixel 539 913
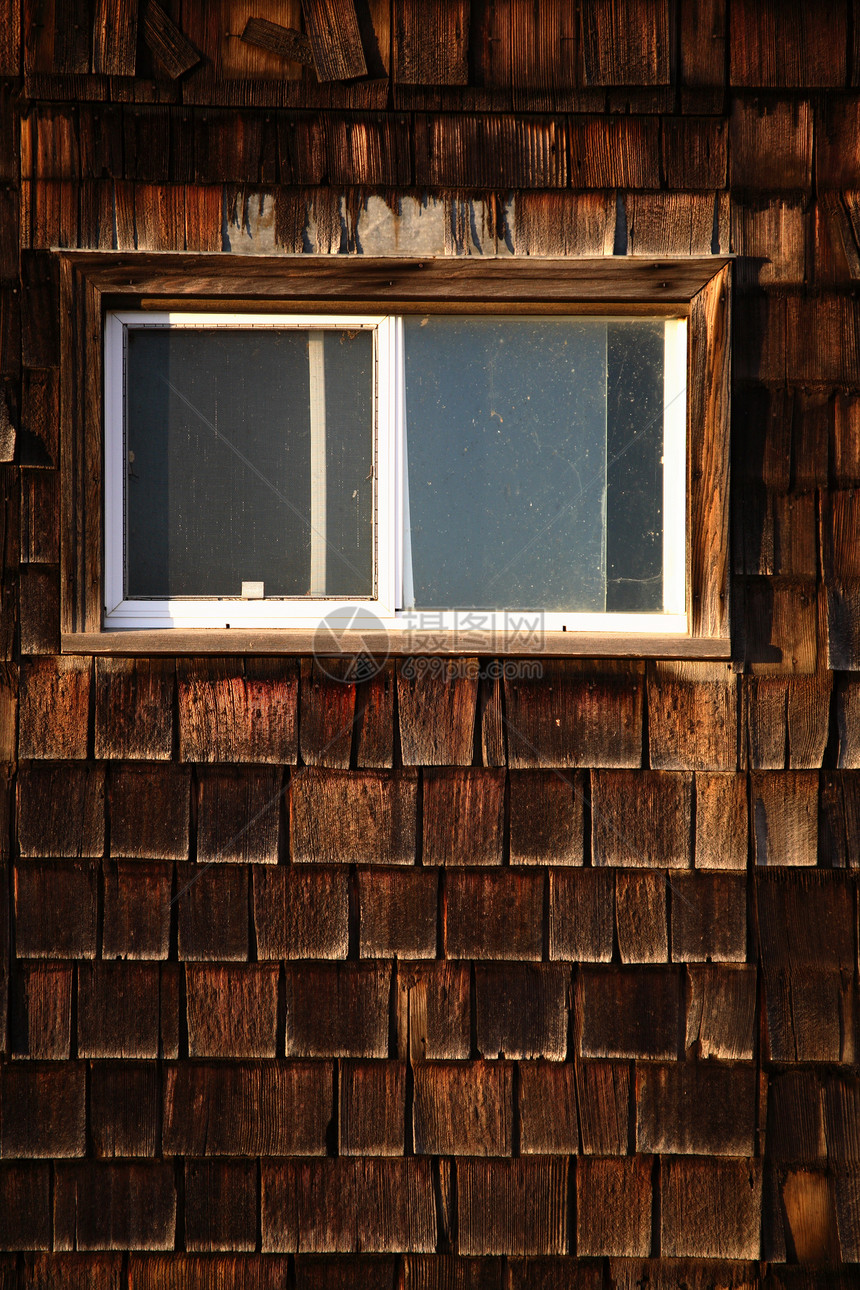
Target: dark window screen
pixel 218 462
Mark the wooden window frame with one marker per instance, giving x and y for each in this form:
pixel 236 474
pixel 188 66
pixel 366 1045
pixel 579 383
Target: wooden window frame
pixel 93 283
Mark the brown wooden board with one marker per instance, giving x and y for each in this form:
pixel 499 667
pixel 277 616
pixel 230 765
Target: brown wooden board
pixel 494 915
pixel 436 707
pixel 230 712
pixel 576 714
pixel 44 1110
pixel 150 811
pixel 641 924
pixel 124 1109
pixel 371 1108
pixel 119 1010
pixel 546 817
pixel 692 716
pixel 463 1109
pixel 326 712
pixel 770 143
pixel 239 815
pixel 546 1107
pixel 398 912
pixel 284 41
pixel 137 909
pixel 111 1205
pixel 433 1011
pixel 55 911
pixel 709 917
pixel 172 51
pixel 721 833
pixel 220 1205
pixel 641 820
pixel 784 817
pixel 628 1012
pixel 342 1206
pixel 332 27
pixel 431 40
pixel 212 912
pixel 54 708
pixel 521 1010
pixel 580 915
pixel 340 817
pixel 603 1090
pixel 246 1109
pixel 300 913
pixel 626 43
pixel 613 1212
pixel 61 810
pixel 711 1209
pixel 782 42
pixel 337 1009
pixel 721 1007
pixel 41 1011
pixel 513 1206
pixel 691 1109
pixel 463 817
pixel 231 1010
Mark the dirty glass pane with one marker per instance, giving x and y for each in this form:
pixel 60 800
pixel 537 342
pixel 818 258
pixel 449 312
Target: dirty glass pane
pixel 218 488
pixel 529 487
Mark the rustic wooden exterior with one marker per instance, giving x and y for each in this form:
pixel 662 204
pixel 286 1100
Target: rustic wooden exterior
pixel 456 981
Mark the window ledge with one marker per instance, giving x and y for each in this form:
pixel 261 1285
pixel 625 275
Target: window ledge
pixel 396 644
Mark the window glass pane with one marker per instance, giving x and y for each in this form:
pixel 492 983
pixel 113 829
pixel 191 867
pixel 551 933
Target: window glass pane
pixel 506 432
pixel 535 463
pixel 222 428
pixel 634 504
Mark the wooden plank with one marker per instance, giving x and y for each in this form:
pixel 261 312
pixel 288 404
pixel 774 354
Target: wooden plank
pixel 337 1010
pixel 784 811
pixel 603 1090
pixel 848 722
pixel 347 817
pixel 486 152
pixel 548 222
pixel 805 919
pixel 494 915
pixel 576 714
pixel 463 815
pixel 25 1194
pixel 839 820
pixel 10 39
pixel 613 1210
pixel 373 149
pixel 54 908
pixel 787 720
pixel 124 1109
pixel 333 30
pixel 795 1118
pixel 40 505
pixel 628 1012
pixel 431 41
pixel 371 1108
pixel 546 1107
pixel 642 820
pixel 829 358
pixel 708 516
pixel 601 280
pixel 397 913
pixel 781 626
pixel 40 415
pixel 239 815
pixel 810 1216
pixel 232 1011
pixel 692 716
pixel 772 236
pixel 134 709
pixel 286 42
pixel 115 37
pixel 137 910
pixel 691 1109
pixel 845 457
pixel 150 812
pixel 61 810
pixel 710 1208
pixel 843 627
pixel 45 1109
pixel 521 1010
pixel 695 154
pixel 513 1206
pixel 300 913
pixel 151 1271
pixel 783 42
pixel 614 152
pixel 709 918
pixel 213 912
pixel 580 915
pixel 433 1011
pixel 703 44
pixel 40 309
pixel 546 817
pixel 38 609
pixel 463 1108
pixel 776 533
pixel 220 1205
pixel 675 223
pixel 41 1014
pixel 626 43
pixel 342 1206
pixel 641 917
pixel 118 1011
pixel 721 834
pixel 230 711
pixel 171 49
pixel 246 1108
pixel 374 718
pixel 326 711
pixel 436 707
pixel 54 708
pixel 770 143
pixel 114 1206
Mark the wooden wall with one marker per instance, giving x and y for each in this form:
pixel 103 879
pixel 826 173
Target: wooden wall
pixel 448 981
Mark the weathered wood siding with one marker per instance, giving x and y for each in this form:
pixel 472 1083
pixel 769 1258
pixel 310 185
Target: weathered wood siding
pixel 458 981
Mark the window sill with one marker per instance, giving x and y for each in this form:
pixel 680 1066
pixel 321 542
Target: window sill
pixel 289 642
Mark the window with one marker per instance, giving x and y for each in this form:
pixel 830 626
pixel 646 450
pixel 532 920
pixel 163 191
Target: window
pixel 272 470
pixel 477 450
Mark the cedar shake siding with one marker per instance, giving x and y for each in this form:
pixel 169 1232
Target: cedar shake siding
pixel 475 980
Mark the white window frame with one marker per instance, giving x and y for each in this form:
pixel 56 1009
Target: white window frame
pixel 390 501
